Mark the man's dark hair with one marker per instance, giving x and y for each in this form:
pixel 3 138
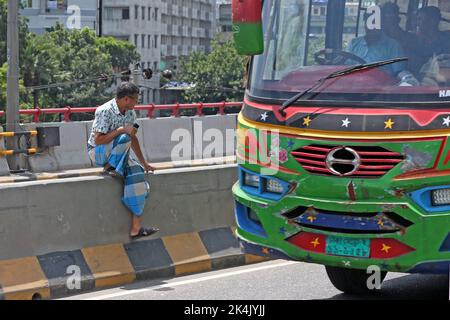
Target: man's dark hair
pixel 127 89
pixel 390 9
pixel 431 12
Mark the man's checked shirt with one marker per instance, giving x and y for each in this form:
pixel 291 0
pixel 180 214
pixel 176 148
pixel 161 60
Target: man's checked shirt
pixel 109 118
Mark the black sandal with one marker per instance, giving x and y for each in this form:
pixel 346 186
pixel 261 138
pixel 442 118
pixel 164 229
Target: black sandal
pixel 145 232
pixel 111 171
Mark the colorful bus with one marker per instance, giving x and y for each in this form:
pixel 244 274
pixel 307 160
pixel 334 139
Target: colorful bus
pixel 343 140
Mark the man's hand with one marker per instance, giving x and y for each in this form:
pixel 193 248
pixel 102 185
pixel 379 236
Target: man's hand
pixel 148 167
pixel 130 130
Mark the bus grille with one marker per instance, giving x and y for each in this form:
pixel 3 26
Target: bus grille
pixel 374 161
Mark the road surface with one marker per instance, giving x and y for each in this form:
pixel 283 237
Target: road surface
pixel 273 280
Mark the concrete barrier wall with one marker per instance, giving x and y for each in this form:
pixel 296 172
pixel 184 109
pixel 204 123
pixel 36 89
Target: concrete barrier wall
pixel 39 217
pixel 88 134
pixel 192 137
pixel 4 168
pixel 44 160
pixel 157 138
pixel 212 136
pixel 71 154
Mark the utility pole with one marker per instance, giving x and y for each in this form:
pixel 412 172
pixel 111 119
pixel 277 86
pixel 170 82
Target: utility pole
pixel 100 18
pixel 12 109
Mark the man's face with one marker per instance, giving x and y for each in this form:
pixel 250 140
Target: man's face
pixel 389 20
pixel 427 24
pixel 131 101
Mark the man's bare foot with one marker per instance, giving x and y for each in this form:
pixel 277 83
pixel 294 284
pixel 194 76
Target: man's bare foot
pixel 144 232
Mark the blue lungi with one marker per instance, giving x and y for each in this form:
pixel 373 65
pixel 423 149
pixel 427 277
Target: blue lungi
pixel 117 154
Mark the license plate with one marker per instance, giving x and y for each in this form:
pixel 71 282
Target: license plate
pixel 348 247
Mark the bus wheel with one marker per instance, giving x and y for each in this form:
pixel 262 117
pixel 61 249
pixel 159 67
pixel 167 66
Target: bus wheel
pixel 352 281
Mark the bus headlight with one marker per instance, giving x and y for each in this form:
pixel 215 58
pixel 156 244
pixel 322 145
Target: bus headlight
pixel 263 186
pixel 274 186
pixel 432 199
pixel 251 180
pixel 440 197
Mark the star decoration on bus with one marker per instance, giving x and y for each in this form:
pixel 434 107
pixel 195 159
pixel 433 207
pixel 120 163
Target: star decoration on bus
pixel 385 248
pixel 351 121
pixel 307 121
pixel 346 263
pixel 389 124
pixel 265 251
pixel 311 219
pixel 346 122
pixel 446 121
pixel 264 116
pixel 316 242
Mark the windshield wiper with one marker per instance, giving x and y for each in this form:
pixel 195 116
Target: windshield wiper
pixel 336 74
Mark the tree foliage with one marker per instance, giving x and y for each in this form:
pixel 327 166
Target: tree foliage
pixel 23 31
pixel 3 70
pixel 122 53
pixel 76 56
pixel 73 63
pixel 216 76
pixel 3 86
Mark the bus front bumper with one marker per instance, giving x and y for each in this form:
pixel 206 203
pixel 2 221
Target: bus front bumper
pixel 420 244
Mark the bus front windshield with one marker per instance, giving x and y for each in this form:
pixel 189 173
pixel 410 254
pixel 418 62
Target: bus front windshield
pixel 306 40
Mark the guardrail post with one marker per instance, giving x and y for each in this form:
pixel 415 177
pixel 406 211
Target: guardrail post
pixel 36 115
pixel 67 114
pixel 175 112
pixel 222 108
pixel 150 111
pixel 200 109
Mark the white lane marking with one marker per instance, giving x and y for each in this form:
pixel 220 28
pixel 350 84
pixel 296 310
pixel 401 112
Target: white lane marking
pixel 180 283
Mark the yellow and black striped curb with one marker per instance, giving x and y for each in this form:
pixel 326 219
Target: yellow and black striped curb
pixel 24 177
pixel 53 275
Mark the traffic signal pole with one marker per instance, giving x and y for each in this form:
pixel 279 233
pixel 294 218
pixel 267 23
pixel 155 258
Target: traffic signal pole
pixel 12 109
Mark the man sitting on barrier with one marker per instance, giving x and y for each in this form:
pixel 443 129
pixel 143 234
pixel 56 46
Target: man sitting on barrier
pixel 113 135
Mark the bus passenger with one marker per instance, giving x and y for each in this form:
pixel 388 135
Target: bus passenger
pixel 432 42
pixel 390 25
pixel 376 46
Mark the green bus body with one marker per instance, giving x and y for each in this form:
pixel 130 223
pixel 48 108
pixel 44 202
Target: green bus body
pixel 356 175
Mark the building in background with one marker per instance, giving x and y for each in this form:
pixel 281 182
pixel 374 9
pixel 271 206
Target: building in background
pixel 44 14
pixel 224 21
pixel 139 22
pixel 163 31
pixel 318 19
pixel 187 25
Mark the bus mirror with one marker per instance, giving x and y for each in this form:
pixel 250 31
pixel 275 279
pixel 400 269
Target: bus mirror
pixel 247 26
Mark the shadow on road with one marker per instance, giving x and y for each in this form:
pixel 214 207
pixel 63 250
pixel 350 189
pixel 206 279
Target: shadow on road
pixel 411 287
